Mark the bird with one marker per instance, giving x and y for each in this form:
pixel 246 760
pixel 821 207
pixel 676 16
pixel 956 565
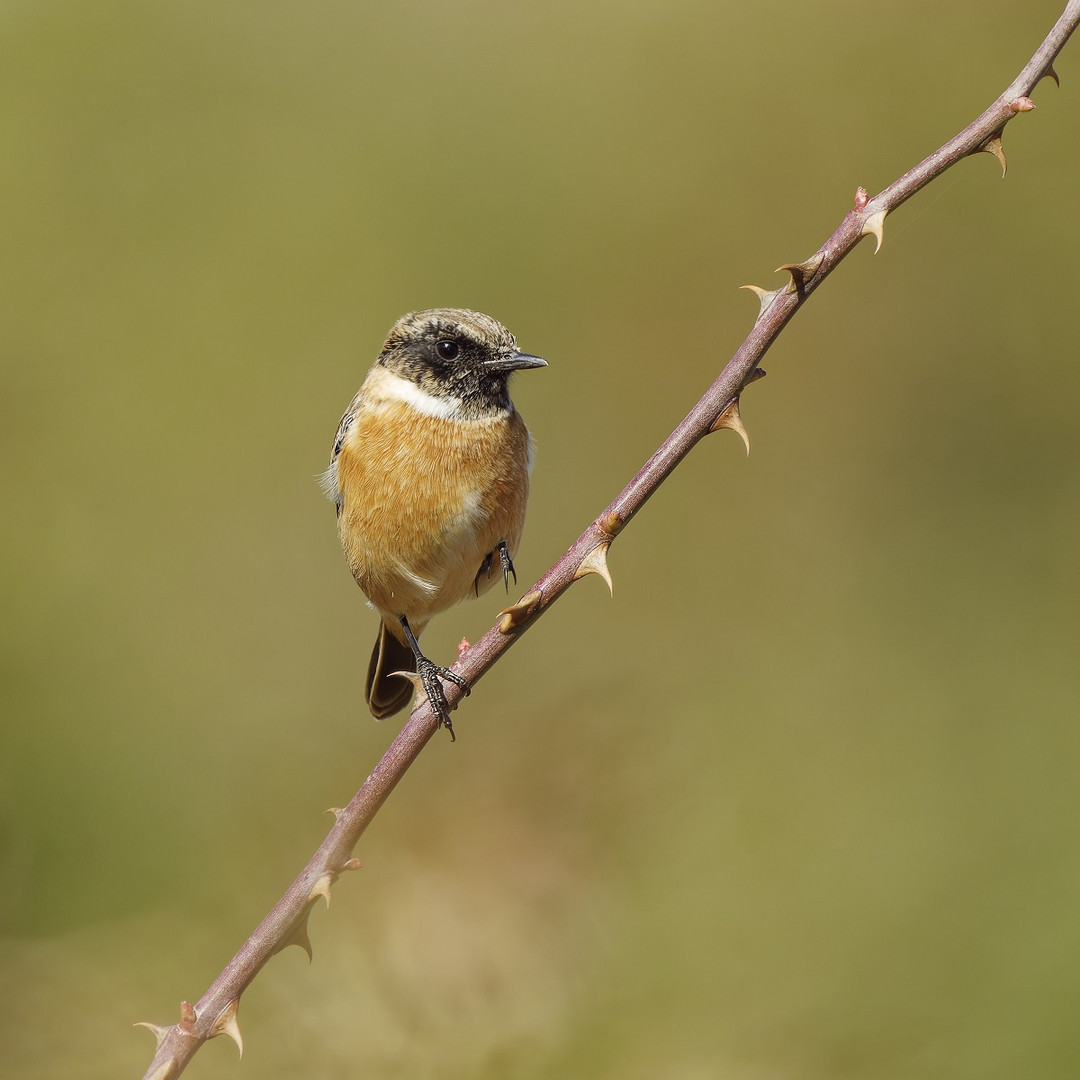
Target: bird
pixel 429 474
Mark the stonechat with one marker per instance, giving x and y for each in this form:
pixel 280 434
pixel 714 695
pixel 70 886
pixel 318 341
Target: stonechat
pixel 430 476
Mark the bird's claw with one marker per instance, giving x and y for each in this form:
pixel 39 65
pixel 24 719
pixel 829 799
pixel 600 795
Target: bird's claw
pixel 429 675
pixel 505 562
pixel 507 565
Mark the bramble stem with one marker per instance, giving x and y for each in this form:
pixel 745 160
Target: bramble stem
pixel 286 924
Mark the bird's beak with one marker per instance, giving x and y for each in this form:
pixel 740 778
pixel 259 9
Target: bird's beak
pixel 515 360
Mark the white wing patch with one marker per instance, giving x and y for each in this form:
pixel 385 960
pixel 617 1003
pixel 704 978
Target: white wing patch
pixel 428 587
pixel 328 482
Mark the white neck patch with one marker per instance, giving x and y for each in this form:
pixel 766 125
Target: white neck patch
pixel 394 388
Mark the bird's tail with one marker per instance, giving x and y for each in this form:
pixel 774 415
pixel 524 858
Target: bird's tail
pixel 386 694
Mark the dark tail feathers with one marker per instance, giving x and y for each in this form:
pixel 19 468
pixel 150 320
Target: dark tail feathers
pixel 386 694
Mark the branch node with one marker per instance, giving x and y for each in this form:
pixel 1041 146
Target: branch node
pixel 226 1024
pixel 874 226
pixel 188 1018
pixel 351 864
pixel 596 563
pixel 513 616
pixel 1022 104
pixel 611 523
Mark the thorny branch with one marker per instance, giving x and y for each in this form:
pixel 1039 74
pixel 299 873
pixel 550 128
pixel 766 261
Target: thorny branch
pixel 286 924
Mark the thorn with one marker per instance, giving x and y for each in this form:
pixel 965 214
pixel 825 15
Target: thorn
pixel 596 563
pixel 513 616
pixel 757 373
pixel 1052 74
pixel 335 810
pixel 861 198
pixel 801 273
pixel 463 647
pixel 874 226
pixel 415 679
pixel 765 297
pixel 322 888
pixel 1022 104
pixel 994 146
pixel 352 864
pixel 164 1071
pixel 226 1024
pixel 300 937
pixel 156 1030
pixel 731 419
pixel 188 1018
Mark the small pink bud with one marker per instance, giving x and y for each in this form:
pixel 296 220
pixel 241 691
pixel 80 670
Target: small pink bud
pixel 1022 104
pixel 463 647
pixel 187 1018
pixel 861 198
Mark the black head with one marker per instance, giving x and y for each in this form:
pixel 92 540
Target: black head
pixel 453 353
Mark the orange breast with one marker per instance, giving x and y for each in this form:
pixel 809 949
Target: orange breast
pixel 425 500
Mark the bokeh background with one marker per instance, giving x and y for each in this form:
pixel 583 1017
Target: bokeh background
pixel 801 801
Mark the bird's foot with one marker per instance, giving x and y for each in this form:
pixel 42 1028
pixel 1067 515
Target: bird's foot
pixel 507 565
pixel 429 674
pixel 488 564
pixel 427 677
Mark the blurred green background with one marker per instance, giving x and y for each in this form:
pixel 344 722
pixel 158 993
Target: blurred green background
pixel 801 801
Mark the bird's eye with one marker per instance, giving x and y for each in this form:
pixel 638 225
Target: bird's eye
pixel 448 350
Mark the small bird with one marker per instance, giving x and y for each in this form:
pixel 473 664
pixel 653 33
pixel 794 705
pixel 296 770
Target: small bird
pixel 430 476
